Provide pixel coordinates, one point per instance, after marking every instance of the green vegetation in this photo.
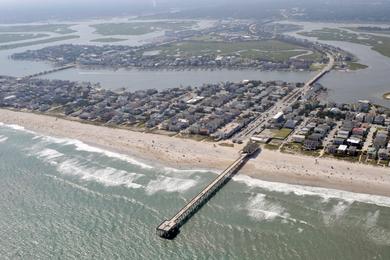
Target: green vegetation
(282, 133)
(207, 38)
(317, 66)
(356, 66)
(292, 148)
(383, 163)
(315, 153)
(271, 147)
(139, 28)
(352, 159)
(368, 29)
(108, 40)
(161, 132)
(332, 34)
(295, 148)
(315, 56)
(378, 43)
(54, 28)
(198, 138)
(272, 50)
(14, 37)
(382, 45)
(25, 44)
(226, 144)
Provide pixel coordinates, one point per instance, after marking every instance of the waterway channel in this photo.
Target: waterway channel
(370, 83)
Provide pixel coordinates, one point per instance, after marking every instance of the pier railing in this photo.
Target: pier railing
(170, 228)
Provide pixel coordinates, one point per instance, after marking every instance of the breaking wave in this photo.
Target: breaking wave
(105, 196)
(3, 138)
(169, 184)
(49, 154)
(262, 209)
(188, 171)
(336, 212)
(324, 193)
(380, 236)
(107, 176)
(375, 232)
(80, 146)
(16, 127)
(372, 219)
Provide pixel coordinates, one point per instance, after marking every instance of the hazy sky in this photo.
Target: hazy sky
(16, 4)
(56, 2)
(37, 10)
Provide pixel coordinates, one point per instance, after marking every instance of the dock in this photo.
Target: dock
(170, 228)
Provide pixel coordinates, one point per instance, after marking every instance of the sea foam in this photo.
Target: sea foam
(3, 138)
(336, 212)
(260, 208)
(80, 146)
(169, 184)
(375, 232)
(372, 219)
(16, 127)
(49, 154)
(107, 176)
(105, 196)
(188, 171)
(324, 193)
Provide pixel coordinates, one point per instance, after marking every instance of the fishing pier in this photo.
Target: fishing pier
(170, 228)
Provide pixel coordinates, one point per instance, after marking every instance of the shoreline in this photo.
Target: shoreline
(172, 68)
(180, 153)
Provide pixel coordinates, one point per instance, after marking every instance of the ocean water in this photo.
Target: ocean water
(62, 199)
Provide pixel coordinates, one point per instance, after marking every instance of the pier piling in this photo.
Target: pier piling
(169, 229)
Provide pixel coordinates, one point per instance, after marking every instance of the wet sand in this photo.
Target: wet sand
(189, 154)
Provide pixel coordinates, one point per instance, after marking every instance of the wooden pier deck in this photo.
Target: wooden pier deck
(170, 228)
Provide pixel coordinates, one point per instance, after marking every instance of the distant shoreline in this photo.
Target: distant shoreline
(189, 154)
(177, 68)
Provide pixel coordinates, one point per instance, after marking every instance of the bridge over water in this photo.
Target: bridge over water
(65, 67)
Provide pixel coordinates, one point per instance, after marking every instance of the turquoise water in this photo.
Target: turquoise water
(62, 199)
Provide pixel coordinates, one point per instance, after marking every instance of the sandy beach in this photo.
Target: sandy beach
(189, 154)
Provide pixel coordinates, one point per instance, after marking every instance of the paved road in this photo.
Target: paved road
(259, 123)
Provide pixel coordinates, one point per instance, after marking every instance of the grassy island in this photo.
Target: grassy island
(110, 39)
(380, 44)
(53, 28)
(356, 66)
(140, 28)
(14, 37)
(43, 41)
(273, 50)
